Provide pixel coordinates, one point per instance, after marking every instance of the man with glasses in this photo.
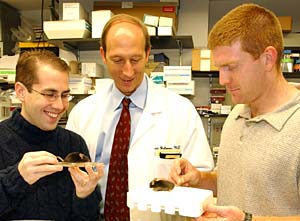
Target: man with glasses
(33, 185)
(52, 96)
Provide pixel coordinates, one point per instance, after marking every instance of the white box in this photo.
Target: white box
(74, 11)
(181, 74)
(151, 20)
(165, 21)
(187, 201)
(165, 31)
(151, 30)
(76, 88)
(182, 88)
(205, 64)
(79, 84)
(216, 108)
(225, 109)
(8, 75)
(99, 19)
(67, 29)
(92, 69)
(205, 53)
(9, 62)
(205, 60)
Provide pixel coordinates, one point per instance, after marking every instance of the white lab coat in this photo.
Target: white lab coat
(167, 120)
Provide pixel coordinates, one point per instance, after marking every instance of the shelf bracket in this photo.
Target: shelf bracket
(180, 48)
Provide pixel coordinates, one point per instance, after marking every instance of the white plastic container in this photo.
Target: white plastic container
(186, 201)
(67, 29)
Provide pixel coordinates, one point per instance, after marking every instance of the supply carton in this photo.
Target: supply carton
(165, 31)
(286, 23)
(151, 20)
(151, 30)
(79, 84)
(74, 11)
(67, 29)
(165, 21)
(138, 9)
(178, 74)
(184, 88)
(92, 69)
(99, 19)
(202, 60)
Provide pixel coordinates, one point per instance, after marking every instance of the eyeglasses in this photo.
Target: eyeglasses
(51, 96)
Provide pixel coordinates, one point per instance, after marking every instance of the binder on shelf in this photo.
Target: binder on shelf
(37, 44)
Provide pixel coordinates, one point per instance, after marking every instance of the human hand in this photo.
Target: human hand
(86, 182)
(218, 213)
(35, 165)
(183, 173)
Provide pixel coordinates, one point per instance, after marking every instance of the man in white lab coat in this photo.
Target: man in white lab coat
(159, 117)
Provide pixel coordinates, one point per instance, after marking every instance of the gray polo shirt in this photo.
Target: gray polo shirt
(259, 161)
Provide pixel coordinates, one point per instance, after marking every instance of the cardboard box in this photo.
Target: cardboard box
(92, 69)
(99, 19)
(202, 60)
(67, 29)
(216, 108)
(74, 11)
(286, 23)
(165, 21)
(187, 88)
(151, 20)
(165, 31)
(168, 9)
(7, 75)
(151, 30)
(166, 26)
(79, 84)
(225, 109)
(205, 64)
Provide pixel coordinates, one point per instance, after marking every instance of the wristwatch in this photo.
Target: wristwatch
(248, 216)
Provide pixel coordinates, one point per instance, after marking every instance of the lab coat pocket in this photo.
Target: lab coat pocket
(162, 167)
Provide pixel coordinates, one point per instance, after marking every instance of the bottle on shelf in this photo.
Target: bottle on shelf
(287, 61)
(297, 65)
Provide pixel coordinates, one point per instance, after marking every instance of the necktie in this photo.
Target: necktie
(117, 184)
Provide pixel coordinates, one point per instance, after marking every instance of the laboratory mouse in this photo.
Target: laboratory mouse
(159, 184)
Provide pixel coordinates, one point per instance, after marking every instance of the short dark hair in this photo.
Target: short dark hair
(29, 62)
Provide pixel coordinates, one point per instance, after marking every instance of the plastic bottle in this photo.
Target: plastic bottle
(287, 62)
(297, 65)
